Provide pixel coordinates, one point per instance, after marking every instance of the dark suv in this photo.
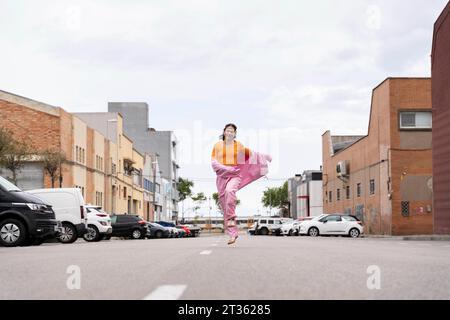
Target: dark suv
(24, 218)
(127, 225)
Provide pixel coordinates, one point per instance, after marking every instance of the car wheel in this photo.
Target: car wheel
(12, 233)
(354, 233)
(92, 234)
(313, 232)
(158, 234)
(291, 233)
(136, 234)
(264, 231)
(297, 233)
(69, 233)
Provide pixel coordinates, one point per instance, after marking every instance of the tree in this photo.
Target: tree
(277, 198)
(198, 200)
(15, 158)
(184, 190)
(53, 160)
(216, 200)
(6, 142)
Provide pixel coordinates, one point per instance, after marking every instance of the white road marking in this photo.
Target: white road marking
(167, 292)
(205, 252)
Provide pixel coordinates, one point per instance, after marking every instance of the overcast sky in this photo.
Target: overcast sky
(283, 71)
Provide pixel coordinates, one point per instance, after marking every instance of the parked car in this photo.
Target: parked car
(157, 231)
(333, 224)
(98, 224)
(24, 218)
(290, 228)
(127, 225)
(68, 204)
(187, 232)
(178, 232)
(194, 231)
(266, 226)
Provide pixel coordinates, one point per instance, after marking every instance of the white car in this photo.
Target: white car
(290, 228)
(174, 232)
(98, 224)
(332, 224)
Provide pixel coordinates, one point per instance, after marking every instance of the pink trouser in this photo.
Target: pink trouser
(234, 178)
(228, 204)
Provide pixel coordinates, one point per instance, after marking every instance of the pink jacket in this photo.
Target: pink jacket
(253, 169)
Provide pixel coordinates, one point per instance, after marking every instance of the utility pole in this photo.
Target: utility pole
(154, 185)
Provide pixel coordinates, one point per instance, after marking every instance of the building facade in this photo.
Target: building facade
(92, 156)
(309, 194)
(385, 177)
(292, 195)
(441, 122)
(151, 141)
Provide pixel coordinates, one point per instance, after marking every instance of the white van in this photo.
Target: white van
(68, 204)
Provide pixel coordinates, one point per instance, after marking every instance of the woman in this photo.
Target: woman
(236, 167)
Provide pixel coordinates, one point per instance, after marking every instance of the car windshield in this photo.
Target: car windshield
(320, 217)
(8, 186)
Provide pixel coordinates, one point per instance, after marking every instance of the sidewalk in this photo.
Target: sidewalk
(430, 237)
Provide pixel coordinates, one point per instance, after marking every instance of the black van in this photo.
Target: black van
(24, 218)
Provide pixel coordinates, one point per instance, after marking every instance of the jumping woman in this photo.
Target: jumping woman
(235, 167)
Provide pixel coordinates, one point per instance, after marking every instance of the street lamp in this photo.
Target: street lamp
(210, 223)
(117, 154)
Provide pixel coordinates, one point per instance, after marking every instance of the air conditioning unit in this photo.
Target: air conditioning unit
(342, 169)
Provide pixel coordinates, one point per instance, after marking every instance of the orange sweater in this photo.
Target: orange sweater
(230, 155)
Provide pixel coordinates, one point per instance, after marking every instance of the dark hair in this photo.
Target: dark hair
(225, 128)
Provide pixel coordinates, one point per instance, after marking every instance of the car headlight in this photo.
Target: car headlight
(36, 207)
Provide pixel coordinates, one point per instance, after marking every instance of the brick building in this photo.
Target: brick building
(441, 122)
(385, 177)
(108, 171)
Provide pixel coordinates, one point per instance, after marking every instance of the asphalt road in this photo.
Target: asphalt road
(205, 268)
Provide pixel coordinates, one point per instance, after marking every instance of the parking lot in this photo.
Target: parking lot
(256, 267)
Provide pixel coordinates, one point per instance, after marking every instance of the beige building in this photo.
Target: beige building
(123, 165)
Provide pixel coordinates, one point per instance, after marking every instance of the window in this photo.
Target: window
(349, 218)
(405, 208)
(263, 222)
(124, 192)
(77, 153)
(333, 219)
(338, 195)
(372, 187)
(347, 192)
(330, 196)
(415, 120)
(358, 190)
